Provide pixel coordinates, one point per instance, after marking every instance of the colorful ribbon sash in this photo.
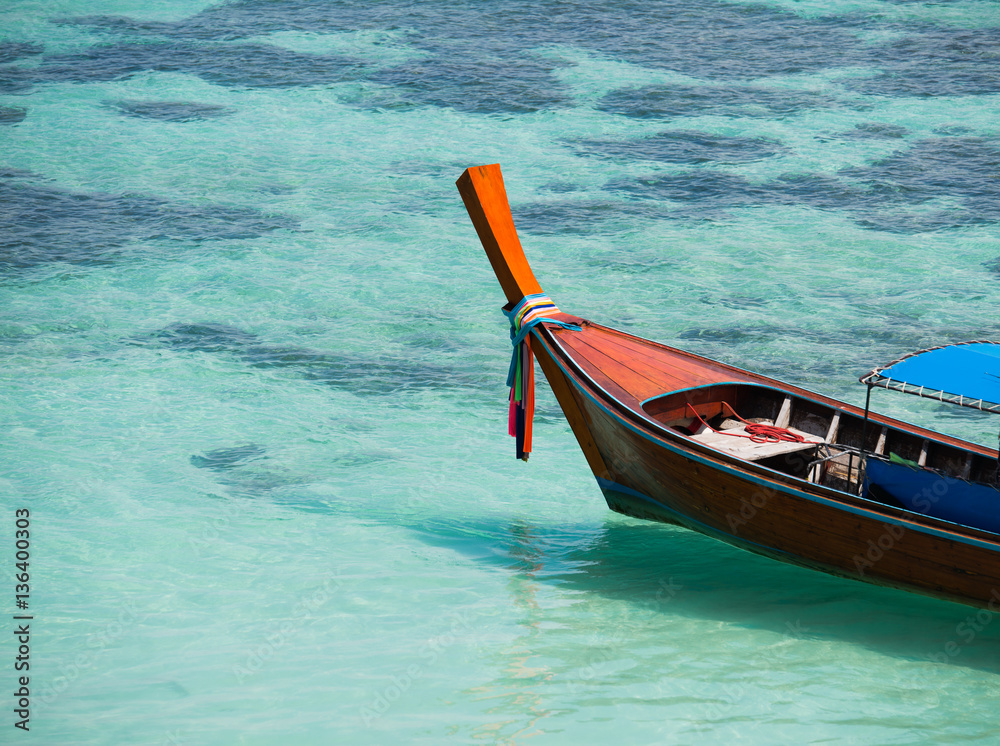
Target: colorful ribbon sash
(529, 312)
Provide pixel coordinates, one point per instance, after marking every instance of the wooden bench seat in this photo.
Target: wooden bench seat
(749, 450)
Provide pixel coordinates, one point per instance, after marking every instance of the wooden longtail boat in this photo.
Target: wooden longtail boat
(760, 464)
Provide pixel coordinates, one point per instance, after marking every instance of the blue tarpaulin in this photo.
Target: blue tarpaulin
(933, 494)
(967, 373)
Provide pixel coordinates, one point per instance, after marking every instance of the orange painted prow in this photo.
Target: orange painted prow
(485, 198)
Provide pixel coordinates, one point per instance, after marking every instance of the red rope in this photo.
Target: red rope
(756, 432)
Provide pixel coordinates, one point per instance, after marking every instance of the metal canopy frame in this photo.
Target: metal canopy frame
(876, 378)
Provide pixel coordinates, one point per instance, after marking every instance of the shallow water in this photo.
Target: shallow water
(253, 359)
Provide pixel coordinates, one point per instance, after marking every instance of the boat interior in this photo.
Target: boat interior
(816, 442)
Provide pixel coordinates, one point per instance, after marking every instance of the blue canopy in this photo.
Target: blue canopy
(966, 373)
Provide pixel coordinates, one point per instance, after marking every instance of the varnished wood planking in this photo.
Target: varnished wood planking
(634, 385)
(610, 359)
(666, 362)
(677, 358)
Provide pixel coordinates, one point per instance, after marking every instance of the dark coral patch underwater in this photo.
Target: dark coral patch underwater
(169, 111)
(10, 115)
(381, 376)
(685, 147)
(234, 65)
(223, 459)
(42, 223)
(666, 102)
(15, 50)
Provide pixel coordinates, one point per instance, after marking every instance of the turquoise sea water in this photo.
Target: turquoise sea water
(253, 360)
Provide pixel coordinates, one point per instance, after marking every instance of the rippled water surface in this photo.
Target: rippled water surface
(253, 361)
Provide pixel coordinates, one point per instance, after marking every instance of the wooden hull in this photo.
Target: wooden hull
(641, 411)
(647, 472)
